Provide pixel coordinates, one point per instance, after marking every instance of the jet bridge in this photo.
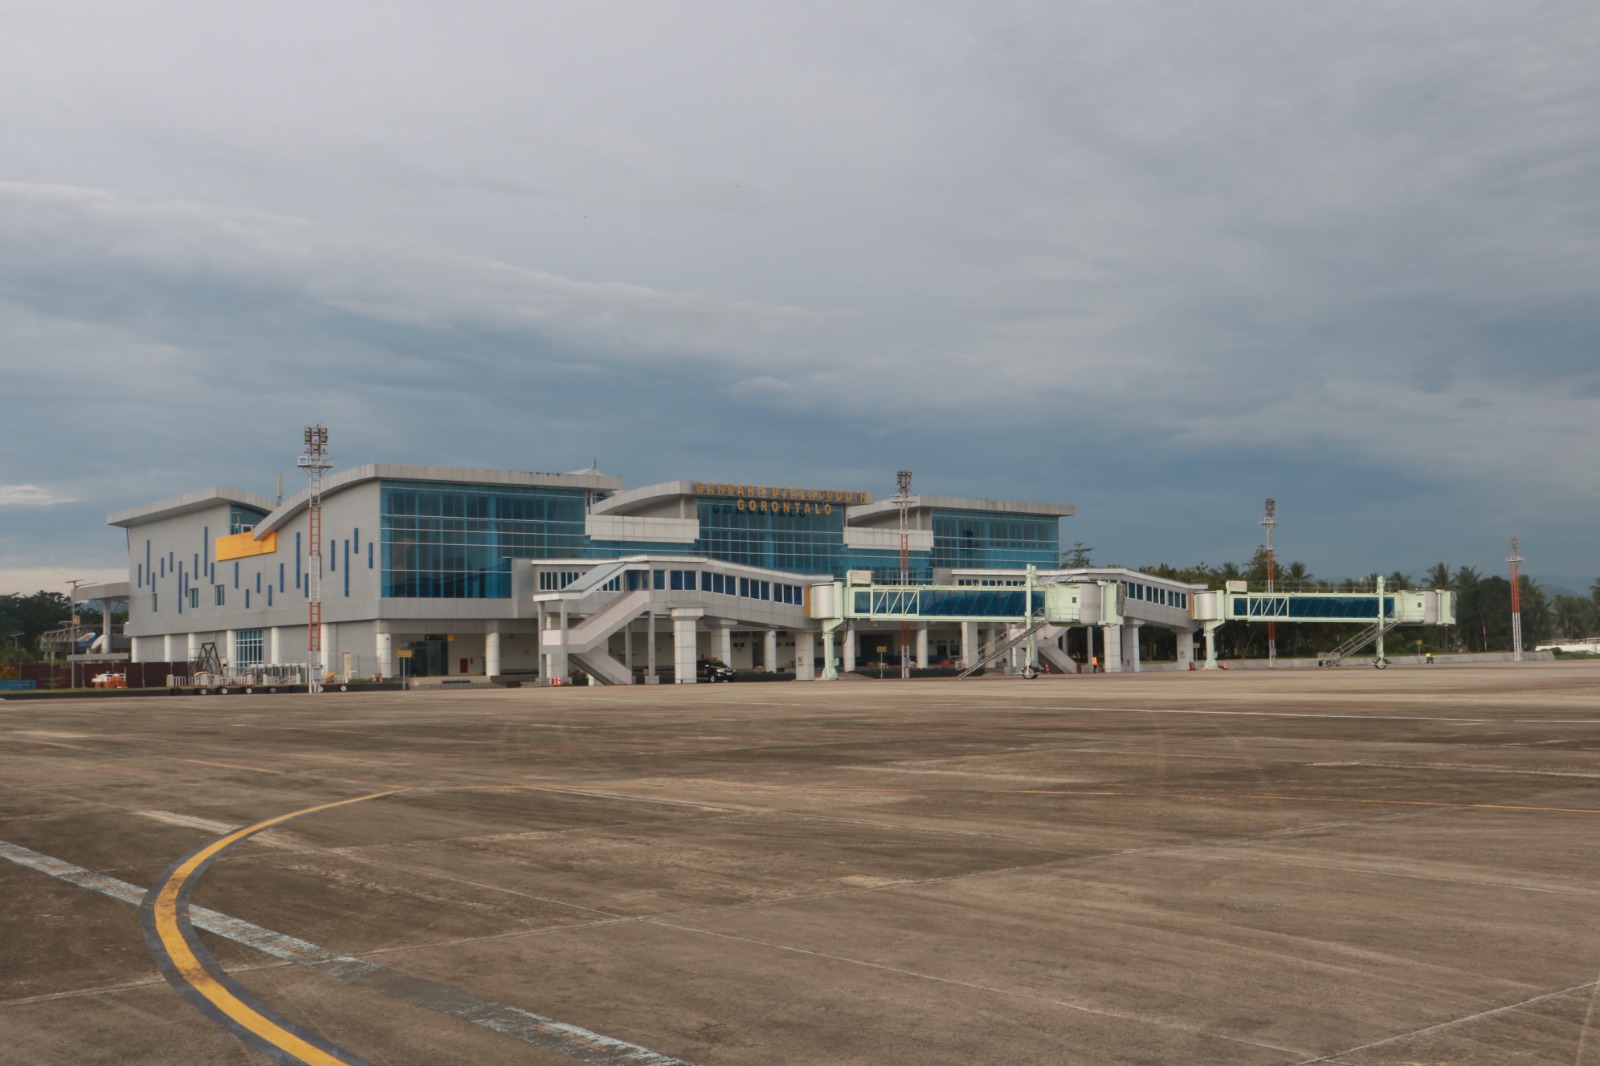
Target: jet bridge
(1378, 611)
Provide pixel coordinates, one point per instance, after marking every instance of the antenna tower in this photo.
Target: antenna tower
(903, 498)
(1516, 602)
(315, 462)
(1271, 523)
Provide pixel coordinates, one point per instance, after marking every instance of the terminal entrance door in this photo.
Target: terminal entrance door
(427, 658)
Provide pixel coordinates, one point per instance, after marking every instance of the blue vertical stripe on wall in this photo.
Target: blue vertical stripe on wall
(172, 560)
(269, 595)
(333, 558)
(369, 555)
(280, 577)
(139, 570)
(258, 581)
(163, 565)
(297, 560)
(356, 533)
(235, 575)
(347, 568)
(247, 599)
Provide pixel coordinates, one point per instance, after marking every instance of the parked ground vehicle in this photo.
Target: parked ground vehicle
(109, 680)
(712, 670)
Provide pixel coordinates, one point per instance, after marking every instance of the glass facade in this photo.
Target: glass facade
(979, 539)
(249, 648)
(243, 519)
(806, 538)
(457, 541)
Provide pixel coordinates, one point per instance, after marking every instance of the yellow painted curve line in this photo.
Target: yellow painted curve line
(189, 968)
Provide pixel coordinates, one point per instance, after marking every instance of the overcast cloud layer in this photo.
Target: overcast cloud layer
(1157, 260)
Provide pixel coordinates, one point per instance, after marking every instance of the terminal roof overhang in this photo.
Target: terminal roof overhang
(867, 511)
(650, 496)
(278, 514)
(188, 503)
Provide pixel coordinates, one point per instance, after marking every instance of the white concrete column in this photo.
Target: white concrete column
(194, 646)
(805, 654)
(684, 622)
(166, 646)
(1130, 644)
(1211, 644)
(384, 650)
(650, 648)
(1088, 648)
(849, 651)
(627, 646)
(1185, 648)
(922, 646)
(969, 644)
(133, 650)
(725, 642)
(829, 671)
(769, 650)
(491, 651)
(275, 645)
(1113, 643)
(330, 650)
(230, 649)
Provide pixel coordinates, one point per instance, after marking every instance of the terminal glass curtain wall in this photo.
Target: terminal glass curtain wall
(457, 542)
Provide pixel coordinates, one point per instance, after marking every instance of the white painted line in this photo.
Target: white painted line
(526, 1026)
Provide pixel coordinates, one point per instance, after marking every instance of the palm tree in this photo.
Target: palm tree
(1574, 615)
(1397, 580)
(1295, 575)
(1594, 595)
(1466, 577)
(1439, 576)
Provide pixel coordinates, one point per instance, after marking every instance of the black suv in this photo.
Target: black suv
(712, 670)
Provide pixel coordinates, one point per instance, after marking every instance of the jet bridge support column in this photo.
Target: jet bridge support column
(769, 651)
(969, 644)
(922, 646)
(1130, 644)
(849, 652)
(1211, 644)
(1113, 642)
(805, 667)
(684, 621)
(1185, 648)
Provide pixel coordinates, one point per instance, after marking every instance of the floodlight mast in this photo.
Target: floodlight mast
(315, 462)
(903, 498)
(1271, 522)
(1516, 601)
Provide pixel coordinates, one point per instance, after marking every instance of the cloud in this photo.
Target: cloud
(1050, 246)
(30, 496)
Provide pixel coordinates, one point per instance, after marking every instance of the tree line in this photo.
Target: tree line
(23, 619)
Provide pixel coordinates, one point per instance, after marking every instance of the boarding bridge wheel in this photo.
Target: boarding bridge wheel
(1380, 662)
(1030, 672)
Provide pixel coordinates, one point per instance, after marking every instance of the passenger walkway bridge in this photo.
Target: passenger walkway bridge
(594, 614)
(1377, 612)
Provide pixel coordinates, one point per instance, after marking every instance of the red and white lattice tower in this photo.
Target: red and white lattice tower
(315, 462)
(903, 498)
(1271, 522)
(1516, 601)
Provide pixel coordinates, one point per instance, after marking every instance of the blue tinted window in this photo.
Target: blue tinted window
(457, 541)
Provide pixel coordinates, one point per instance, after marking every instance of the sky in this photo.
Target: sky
(1159, 260)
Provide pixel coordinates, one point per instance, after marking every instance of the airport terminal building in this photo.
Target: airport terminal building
(453, 572)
